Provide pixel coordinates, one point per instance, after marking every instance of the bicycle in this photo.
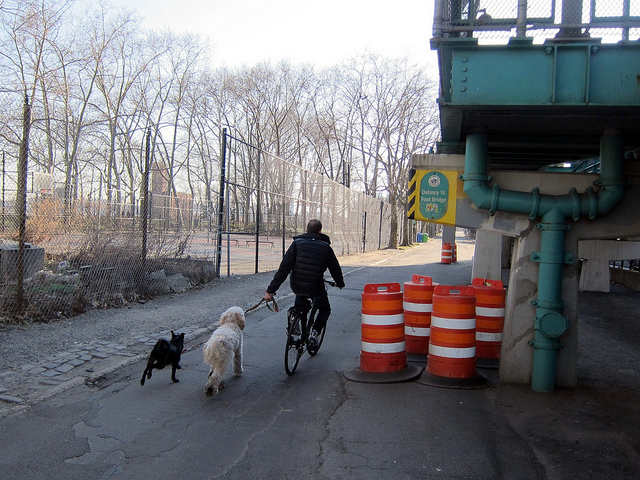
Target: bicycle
(298, 328)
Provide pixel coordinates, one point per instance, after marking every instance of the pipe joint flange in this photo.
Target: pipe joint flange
(495, 198)
(611, 182)
(575, 203)
(553, 227)
(546, 344)
(549, 304)
(552, 325)
(535, 203)
(475, 177)
(593, 203)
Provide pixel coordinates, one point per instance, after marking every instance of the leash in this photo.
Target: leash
(275, 304)
(273, 309)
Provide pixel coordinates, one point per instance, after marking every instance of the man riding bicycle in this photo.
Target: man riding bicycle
(307, 259)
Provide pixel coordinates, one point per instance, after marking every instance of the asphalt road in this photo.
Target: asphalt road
(317, 424)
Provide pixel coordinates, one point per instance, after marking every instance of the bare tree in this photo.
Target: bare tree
(30, 27)
(397, 118)
(174, 76)
(120, 68)
(98, 82)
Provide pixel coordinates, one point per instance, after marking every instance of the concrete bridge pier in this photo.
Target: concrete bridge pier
(488, 257)
(449, 235)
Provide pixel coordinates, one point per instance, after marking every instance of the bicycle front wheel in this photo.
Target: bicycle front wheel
(293, 349)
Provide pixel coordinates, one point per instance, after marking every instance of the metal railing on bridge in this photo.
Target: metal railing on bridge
(494, 20)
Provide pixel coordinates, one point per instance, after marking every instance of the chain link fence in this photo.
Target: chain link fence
(268, 200)
(106, 247)
(498, 20)
(91, 252)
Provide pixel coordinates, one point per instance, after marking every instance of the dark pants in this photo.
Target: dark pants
(324, 309)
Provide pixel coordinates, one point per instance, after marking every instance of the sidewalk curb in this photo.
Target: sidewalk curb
(93, 378)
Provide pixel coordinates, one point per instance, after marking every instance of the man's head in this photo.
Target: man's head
(314, 226)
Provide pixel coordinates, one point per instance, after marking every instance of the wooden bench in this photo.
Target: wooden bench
(231, 240)
(262, 242)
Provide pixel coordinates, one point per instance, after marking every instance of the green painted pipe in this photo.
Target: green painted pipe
(550, 324)
(572, 205)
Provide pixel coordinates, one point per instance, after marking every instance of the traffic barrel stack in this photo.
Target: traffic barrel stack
(490, 310)
(452, 347)
(383, 342)
(447, 253)
(383, 356)
(417, 304)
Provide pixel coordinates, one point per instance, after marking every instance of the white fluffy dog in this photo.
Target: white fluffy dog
(224, 345)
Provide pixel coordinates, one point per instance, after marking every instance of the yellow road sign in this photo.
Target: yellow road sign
(432, 195)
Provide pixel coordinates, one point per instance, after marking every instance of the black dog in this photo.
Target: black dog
(165, 353)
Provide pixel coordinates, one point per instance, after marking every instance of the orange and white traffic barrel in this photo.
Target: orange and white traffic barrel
(490, 310)
(455, 253)
(383, 356)
(383, 346)
(452, 346)
(417, 305)
(447, 253)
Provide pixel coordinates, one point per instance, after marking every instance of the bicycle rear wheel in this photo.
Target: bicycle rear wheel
(293, 348)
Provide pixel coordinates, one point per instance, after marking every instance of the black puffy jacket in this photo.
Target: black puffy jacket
(307, 259)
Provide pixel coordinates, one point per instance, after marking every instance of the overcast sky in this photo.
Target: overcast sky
(323, 33)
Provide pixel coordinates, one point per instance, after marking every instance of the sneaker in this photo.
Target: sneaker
(312, 343)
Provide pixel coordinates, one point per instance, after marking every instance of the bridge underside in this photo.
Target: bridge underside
(539, 104)
(534, 137)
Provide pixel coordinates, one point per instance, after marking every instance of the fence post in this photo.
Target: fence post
(258, 214)
(145, 196)
(304, 200)
(364, 233)
(380, 229)
(22, 201)
(228, 209)
(321, 196)
(223, 163)
(3, 190)
(284, 208)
